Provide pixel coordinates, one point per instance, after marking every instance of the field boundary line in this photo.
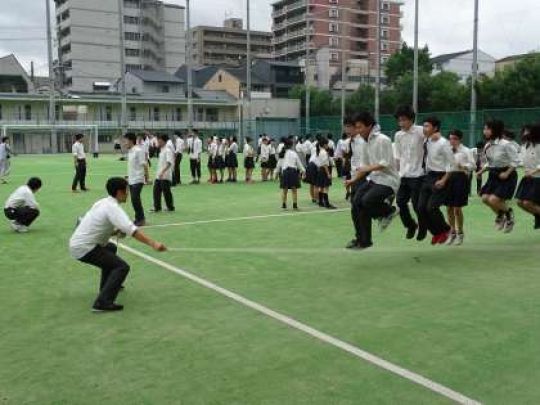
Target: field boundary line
(324, 337)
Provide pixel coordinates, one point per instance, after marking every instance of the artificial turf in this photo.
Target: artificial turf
(466, 317)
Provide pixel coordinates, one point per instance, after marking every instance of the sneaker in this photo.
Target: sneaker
(421, 235)
(330, 207)
(295, 206)
(443, 238)
(385, 222)
(451, 238)
(140, 223)
(411, 232)
(500, 221)
(459, 239)
(509, 222)
(314, 201)
(435, 239)
(154, 211)
(354, 245)
(18, 227)
(107, 308)
(284, 206)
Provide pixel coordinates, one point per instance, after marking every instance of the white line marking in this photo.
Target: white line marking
(371, 358)
(260, 250)
(210, 221)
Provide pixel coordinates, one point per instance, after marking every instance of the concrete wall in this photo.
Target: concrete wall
(462, 65)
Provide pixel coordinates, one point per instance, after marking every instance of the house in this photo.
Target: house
(280, 76)
(460, 63)
(153, 82)
(13, 77)
(511, 61)
(234, 82)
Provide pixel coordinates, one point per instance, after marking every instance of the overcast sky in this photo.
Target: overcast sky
(506, 27)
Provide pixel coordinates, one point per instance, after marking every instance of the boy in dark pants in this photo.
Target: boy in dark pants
(164, 175)
(137, 175)
(21, 207)
(79, 158)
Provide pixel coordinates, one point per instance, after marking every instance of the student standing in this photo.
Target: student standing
(458, 187)
(5, 152)
(373, 198)
(21, 208)
(179, 147)
(90, 243)
(439, 164)
(528, 193)
(324, 175)
(137, 176)
(223, 150)
(163, 181)
(79, 159)
(338, 155)
(232, 160)
(291, 169)
(249, 159)
(272, 160)
(502, 161)
(265, 158)
(409, 152)
(194, 145)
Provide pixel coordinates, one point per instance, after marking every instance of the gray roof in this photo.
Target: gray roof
(518, 57)
(201, 74)
(449, 56)
(155, 76)
(213, 95)
(241, 74)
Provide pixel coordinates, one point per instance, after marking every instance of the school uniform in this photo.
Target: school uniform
(373, 198)
(194, 145)
(272, 160)
(220, 157)
(90, 244)
(409, 151)
(312, 170)
(162, 186)
(179, 153)
(308, 147)
(338, 157)
(500, 155)
(80, 166)
(265, 156)
(232, 159)
(291, 168)
(249, 158)
(439, 160)
(4, 160)
(459, 182)
(136, 179)
(22, 207)
(213, 152)
(357, 147)
(301, 153)
(323, 161)
(529, 187)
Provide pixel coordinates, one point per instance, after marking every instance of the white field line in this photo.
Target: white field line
(254, 217)
(355, 351)
(270, 250)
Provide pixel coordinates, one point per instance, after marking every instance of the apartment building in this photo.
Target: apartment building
(89, 41)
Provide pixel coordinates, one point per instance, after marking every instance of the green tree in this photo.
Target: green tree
(402, 62)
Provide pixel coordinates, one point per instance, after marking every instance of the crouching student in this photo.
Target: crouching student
(90, 243)
(21, 207)
(528, 193)
(291, 169)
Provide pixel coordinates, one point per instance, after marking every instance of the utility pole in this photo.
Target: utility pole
(416, 57)
(189, 66)
(343, 71)
(307, 71)
(247, 96)
(52, 101)
(378, 55)
(474, 76)
(123, 114)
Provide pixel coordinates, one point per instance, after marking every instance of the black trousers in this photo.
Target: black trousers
(409, 190)
(80, 175)
(163, 187)
(176, 172)
(135, 190)
(195, 166)
(113, 272)
(339, 166)
(369, 201)
(22, 215)
(430, 201)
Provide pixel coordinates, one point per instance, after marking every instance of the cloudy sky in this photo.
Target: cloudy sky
(445, 25)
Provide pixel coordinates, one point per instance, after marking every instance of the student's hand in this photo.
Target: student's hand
(479, 174)
(528, 173)
(348, 183)
(504, 176)
(329, 176)
(159, 247)
(440, 184)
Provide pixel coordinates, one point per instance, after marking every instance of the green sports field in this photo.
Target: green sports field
(465, 317)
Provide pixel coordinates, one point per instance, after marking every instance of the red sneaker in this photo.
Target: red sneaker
(435, 239)
(443, 237)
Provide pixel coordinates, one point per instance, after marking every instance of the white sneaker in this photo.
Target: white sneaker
(459, 239)
(500, 222)
(385, 222)
(451, 239)
(509, 222)
(18, 227)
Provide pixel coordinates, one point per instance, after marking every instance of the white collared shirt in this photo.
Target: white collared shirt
(531, 158)
(233, 147)
(166, 155)
(409, 151)
(98, 225)
(136, 165)
(359, 156)
(323, 159)
(22, 197)
(464, 159)
(179, 145)
(265, 152)
(380, 152)
(501, 153)
(340, 149)
(248, 150)
(78, 150)
(290, 160)
(196, 148)
(307, 147)
(439, 155)
(3, 151)
(213, 149)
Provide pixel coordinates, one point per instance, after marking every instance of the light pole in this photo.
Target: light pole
(52, 101)
(378, 65)
(189, 66)
(416, 56)
(474, 76)
(248, 68)
(123, 114)
(307, 71)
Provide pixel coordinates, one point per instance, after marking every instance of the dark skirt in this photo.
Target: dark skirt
(504, 189)
(322, 179)
(265, 165)
(458, 190)
(231, 161)
(311, 174)
(219, 163)
(272, 162)
(210, 164)
(529, 190)
(290, 179)
(249, 163)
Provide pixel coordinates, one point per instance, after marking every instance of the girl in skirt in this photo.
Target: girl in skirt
(249, 160)
(291, 169)
(324, 176)
(232, 160)
(265, 158)
(212, 159)
(458, 187)
(502, 161)
(272, 160)
(223, 148)
(311, 177)
(528, 194)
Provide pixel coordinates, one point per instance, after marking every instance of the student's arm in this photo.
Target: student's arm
(170, 162)
(514, 158)
(450, 167)
(141, 237)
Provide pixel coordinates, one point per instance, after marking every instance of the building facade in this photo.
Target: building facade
(227, 45)
(461, 63)
(342, 29)
(89, 41)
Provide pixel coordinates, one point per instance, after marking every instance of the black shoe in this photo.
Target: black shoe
(355, 245)
(422, 234)
(330, 207)
(347, 196)
(295, 206)
(537, 222)
(411, 232)
(284, 206)
(107, 308)
(314, 201)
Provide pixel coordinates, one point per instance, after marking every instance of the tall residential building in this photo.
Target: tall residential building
(336, 27)
(227, 45)
(89, 40)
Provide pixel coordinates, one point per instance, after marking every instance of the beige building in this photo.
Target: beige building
(511, 61)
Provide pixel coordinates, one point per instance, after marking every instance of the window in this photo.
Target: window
(386, 6)
(199, 114)
(334, 42)
(334, 57)
(108, 113)
(333, 13)
(156, 114)
(132, 36)
(385, 20)
(132, 3)
(212, 114)
(333, 27)
(333, 1)
(132, 114)
(384, 59)
(131, 20)
(384, 34)
(132, 52)
(27, 112)
(165, 89)
(384, 46)
(178, 114)
(130, 67)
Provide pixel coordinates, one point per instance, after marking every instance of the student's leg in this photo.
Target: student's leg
(458, 214)
(295, 196)
(157, 195)
(77, 177)
(26, 215)
(83, 175)
(375, 201)
(402, 201)
(436, 217)
(176, 171)
(451, 211)
(284, 193)
(135, 191)
(169, 201)
(422, 207)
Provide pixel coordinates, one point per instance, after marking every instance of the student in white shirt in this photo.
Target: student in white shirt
(163, 181)
(348, 140)
(458, 187)
(439, 165)
(179, 146)
(528, 193)
(249, 159)
(231, 161)
(79, 160)
(223, 150)
(90, 243)
(272, 160)
(5, 157)
(137, 175)
(194, 144)
(324, 175)
(291, 169)
(21, 208)
(264, 156)
(502, 162)
(373, 198)
(409, 152)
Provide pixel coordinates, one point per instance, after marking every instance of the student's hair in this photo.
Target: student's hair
(300, 139)
(196, 132)
(344, 136)
(365, 118)
(286, 146)
(405, 111)
(434, 121)
(34, 183)
(524, 133)
(480, 145)
(163, 137)
(248, 139)
(321, 142)
(130, 136)
(534, 135)
(457, 133)
(496, 127)
(78, 137)
(233, 139)
(348, 120)
(331, 136)
(509, 134)
(116, 184)
(5, 139)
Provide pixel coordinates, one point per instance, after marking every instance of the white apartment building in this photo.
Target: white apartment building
(89, 40)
